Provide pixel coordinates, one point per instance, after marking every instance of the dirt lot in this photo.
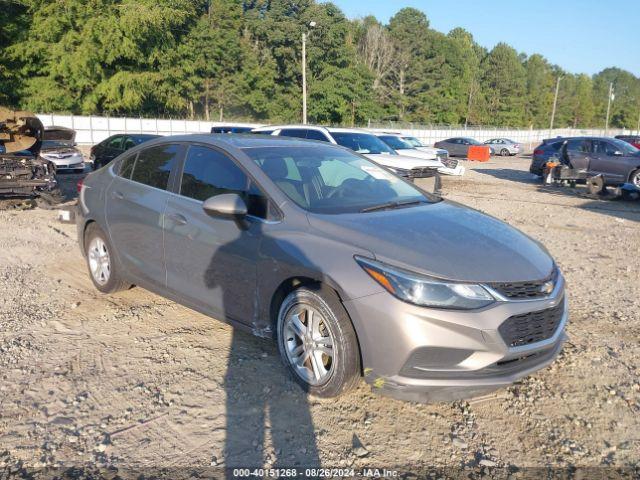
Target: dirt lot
(136, 381)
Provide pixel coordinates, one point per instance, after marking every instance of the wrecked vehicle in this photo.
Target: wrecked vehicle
(59, 148)
(22, 171)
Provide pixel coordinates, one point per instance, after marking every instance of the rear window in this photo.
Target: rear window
(153, 166)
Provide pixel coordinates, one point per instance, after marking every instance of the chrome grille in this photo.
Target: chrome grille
(525, 290)
(531, 327)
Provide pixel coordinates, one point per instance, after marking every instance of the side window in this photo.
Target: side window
(115, 142)
(154, 165)
(128, 143)
(574, 146)
(126, 166)
(316, 135)
(585, 146)
(208, 172)
(293, 132)
(604, 148)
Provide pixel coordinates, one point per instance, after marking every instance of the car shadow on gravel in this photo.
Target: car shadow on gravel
(628, 210)
(268, 420)
(511, 174)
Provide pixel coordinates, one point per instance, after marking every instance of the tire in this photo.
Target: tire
(319, 374)
(504, 152)
(106, 279)
(634, 178)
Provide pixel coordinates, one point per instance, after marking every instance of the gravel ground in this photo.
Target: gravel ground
(135, 381)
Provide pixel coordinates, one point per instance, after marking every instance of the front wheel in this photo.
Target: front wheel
(317, 341)
(634, 178)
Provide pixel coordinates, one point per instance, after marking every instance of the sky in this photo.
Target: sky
(581, 36)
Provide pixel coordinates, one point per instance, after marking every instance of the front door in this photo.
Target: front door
(135, 203)
(211, 261)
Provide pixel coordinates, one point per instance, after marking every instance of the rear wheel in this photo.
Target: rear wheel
(504, 152)
(103, 268)
(634, 178)
(317, 341)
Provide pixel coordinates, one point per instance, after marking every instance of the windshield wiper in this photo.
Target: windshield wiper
(390, 205)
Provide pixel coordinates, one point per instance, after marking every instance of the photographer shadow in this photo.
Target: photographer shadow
(268, 421)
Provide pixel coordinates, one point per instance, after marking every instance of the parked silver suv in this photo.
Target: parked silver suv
(353, 270)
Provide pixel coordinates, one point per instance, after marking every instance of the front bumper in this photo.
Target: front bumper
(429, 355)
(457, 171)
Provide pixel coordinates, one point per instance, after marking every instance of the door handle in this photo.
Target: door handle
(177, 218)
(117, 195)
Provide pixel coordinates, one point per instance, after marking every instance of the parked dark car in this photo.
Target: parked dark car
(632, 139)
(350, 268)
(231, 129)
(617, 160)
(459, 146)
(108, 149)
(544, 152)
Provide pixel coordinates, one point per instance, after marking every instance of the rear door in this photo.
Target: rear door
(577, 153)
(211, 261)
(135, 204)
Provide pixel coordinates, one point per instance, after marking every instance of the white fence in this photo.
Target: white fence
(93, 129)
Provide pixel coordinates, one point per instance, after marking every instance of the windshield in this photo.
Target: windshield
(362, 143)
(325, 179)
(413, 141)
(624, 147)
(396, 142)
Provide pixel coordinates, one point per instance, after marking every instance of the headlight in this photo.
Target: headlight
(426, 291)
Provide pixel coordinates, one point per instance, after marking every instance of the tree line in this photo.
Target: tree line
(241, 59)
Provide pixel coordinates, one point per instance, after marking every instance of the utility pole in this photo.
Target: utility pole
(638, 129)
(555, 103)
(304, 78)
(304, 73)
(606, 124)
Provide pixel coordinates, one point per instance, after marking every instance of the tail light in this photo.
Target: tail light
(538, 152)
(79, 185)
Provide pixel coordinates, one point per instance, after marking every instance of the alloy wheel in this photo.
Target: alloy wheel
(99, 261)
(309, 344)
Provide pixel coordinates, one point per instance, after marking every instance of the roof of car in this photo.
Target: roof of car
(237, 140)
(271, 128)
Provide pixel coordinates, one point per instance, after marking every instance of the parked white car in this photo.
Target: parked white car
(361, 142)
(59, 148)
(503, 146)
(404, 147)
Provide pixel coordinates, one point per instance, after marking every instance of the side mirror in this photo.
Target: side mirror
(225, 205)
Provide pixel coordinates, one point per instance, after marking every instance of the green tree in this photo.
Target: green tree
(504, 87)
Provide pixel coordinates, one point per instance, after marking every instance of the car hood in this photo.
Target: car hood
(413, 152)
(403, 161)
(444, 239)
(432, 150)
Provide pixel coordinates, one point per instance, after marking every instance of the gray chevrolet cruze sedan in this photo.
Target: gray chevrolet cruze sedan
(352, 270)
